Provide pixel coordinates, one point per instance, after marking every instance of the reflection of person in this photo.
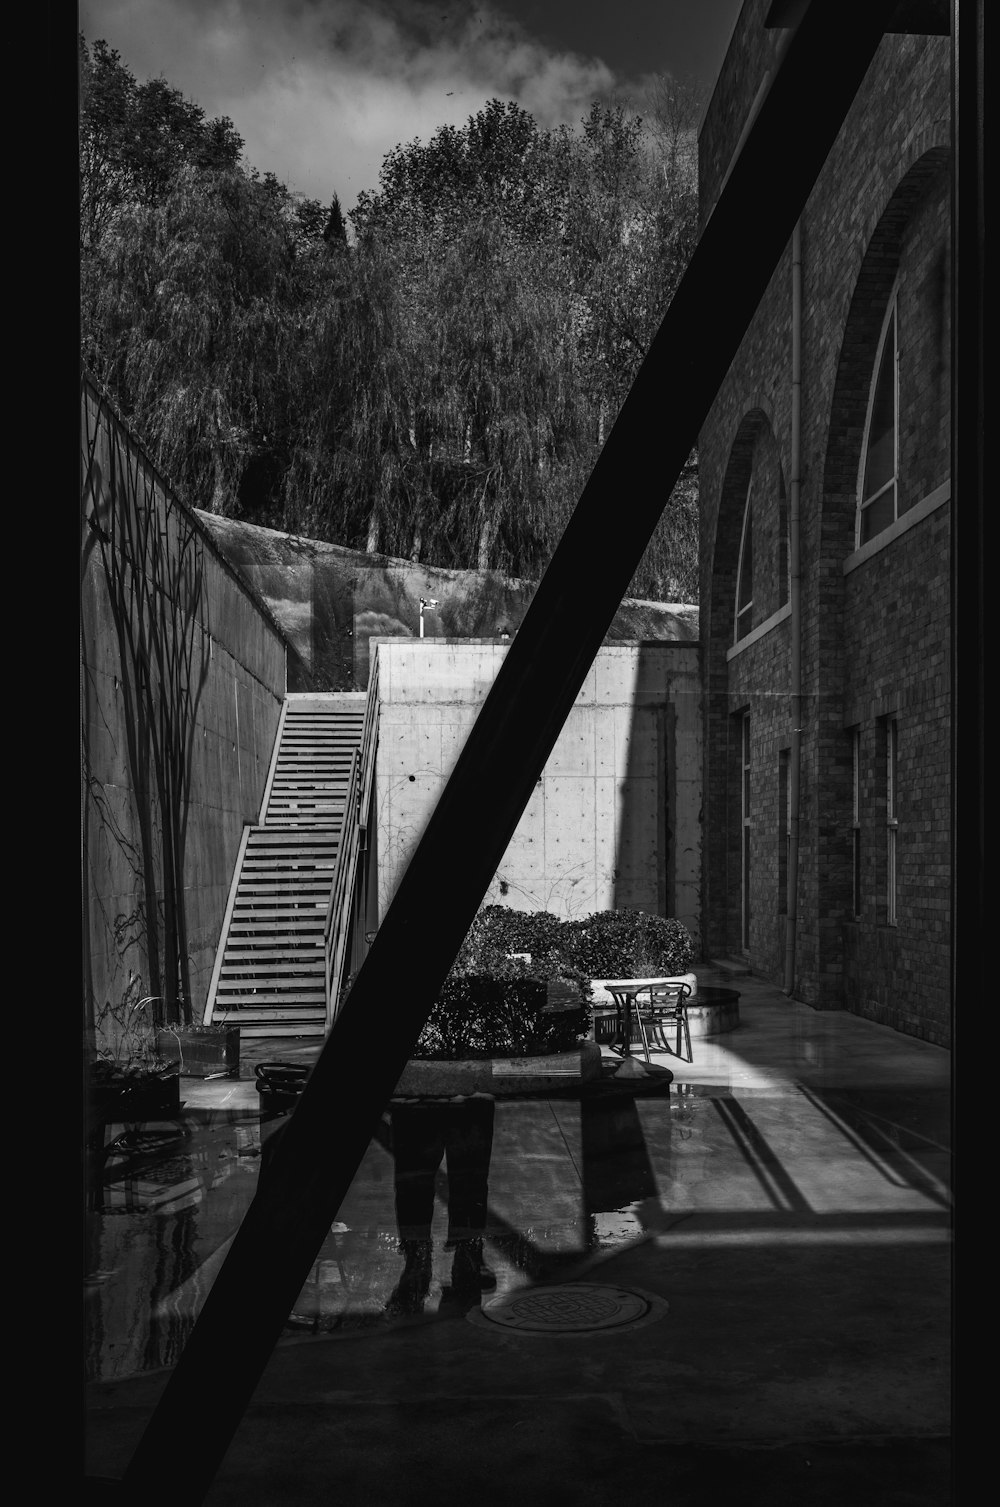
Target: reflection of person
(422, 1135)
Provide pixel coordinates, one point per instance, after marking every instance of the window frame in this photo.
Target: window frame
(744, 615)
(891, 818)
(784, 544)
(856, 823)
(890, 321)
(784, 826)
(746, 827)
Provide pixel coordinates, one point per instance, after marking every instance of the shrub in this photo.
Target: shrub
(479, 1015)
(497, 932)
(628, 944)
(496, 1004)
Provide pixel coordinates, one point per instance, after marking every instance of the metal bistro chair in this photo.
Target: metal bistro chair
(667, 1011)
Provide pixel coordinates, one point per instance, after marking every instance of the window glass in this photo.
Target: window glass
(744, 585)
(784, 584)
(878, 491)
(880, 464)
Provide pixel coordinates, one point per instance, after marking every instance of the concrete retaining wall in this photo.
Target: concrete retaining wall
(614, 821)
(182, 677)
(330, 601)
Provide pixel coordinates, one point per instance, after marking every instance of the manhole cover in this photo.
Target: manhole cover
(574, 1308)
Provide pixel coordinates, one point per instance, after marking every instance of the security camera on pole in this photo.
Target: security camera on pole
(425, 602)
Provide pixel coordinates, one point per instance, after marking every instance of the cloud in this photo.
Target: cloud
(320, 90)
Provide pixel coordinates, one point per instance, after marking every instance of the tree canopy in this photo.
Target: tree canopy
(440, 388)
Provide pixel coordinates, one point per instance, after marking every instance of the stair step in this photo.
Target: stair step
(274, 840)
(268, 1031)
(235, 958)
(289, 1024)
(250, 1014)
(279, 969)
(292, 922)
(294, 1000)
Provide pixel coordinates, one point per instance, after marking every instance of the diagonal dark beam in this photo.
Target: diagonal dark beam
(544, 669)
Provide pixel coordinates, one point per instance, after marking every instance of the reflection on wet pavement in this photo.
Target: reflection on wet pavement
(169, 1200)
(472, 1197)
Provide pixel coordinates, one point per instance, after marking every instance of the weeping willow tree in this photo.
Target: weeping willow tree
(535, 268)
(493, 401)
(193, 313)
(439, 390)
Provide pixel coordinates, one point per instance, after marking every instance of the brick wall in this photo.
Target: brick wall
(874, 637)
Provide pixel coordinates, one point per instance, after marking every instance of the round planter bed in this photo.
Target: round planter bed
(602, 997)
(500, 1075)
(712, 1011)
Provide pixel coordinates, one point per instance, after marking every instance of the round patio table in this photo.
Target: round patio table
(624, 992)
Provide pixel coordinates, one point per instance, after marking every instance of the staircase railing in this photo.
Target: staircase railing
(272, 768)
(234, 886)
(338, 915)
(369, 740)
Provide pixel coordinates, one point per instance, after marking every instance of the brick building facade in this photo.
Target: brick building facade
(862, 503)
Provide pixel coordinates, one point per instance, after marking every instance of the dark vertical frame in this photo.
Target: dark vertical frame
(968, 924)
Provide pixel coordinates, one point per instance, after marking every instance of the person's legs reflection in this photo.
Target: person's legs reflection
(417, 1146)
(422, 1134)
(469, 1144)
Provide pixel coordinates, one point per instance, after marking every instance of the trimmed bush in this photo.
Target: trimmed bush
(628, 944)
(497, 932)
(479, 1015)
(497, 1004)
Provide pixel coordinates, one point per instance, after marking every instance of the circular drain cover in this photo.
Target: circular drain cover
(573, 1308)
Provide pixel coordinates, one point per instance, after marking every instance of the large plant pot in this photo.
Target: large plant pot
(279, 1085)
(201, 1051)
(500, 1075)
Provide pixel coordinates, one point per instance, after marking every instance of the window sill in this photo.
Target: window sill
(914, 515)
(760, 631)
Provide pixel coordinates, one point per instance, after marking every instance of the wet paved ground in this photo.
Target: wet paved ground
(783, 1205)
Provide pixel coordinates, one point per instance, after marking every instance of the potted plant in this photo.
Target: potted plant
(129, 1080)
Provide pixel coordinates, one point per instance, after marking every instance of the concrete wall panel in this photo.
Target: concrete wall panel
(614, 820)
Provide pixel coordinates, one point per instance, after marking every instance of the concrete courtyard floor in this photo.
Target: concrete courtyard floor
(782, 1210)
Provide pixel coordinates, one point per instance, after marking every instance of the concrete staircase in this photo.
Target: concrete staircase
(270, 971)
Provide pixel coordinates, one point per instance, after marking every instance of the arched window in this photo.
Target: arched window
(784, 552)
(744, 573)
(877, 479)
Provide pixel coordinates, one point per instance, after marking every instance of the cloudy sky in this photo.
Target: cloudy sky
(320, 90)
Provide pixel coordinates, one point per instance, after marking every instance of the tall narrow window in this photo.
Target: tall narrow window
(744, 574)
(784, 829)
(745, 832)
(856, 823)
(877, 483)
(891, 817)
